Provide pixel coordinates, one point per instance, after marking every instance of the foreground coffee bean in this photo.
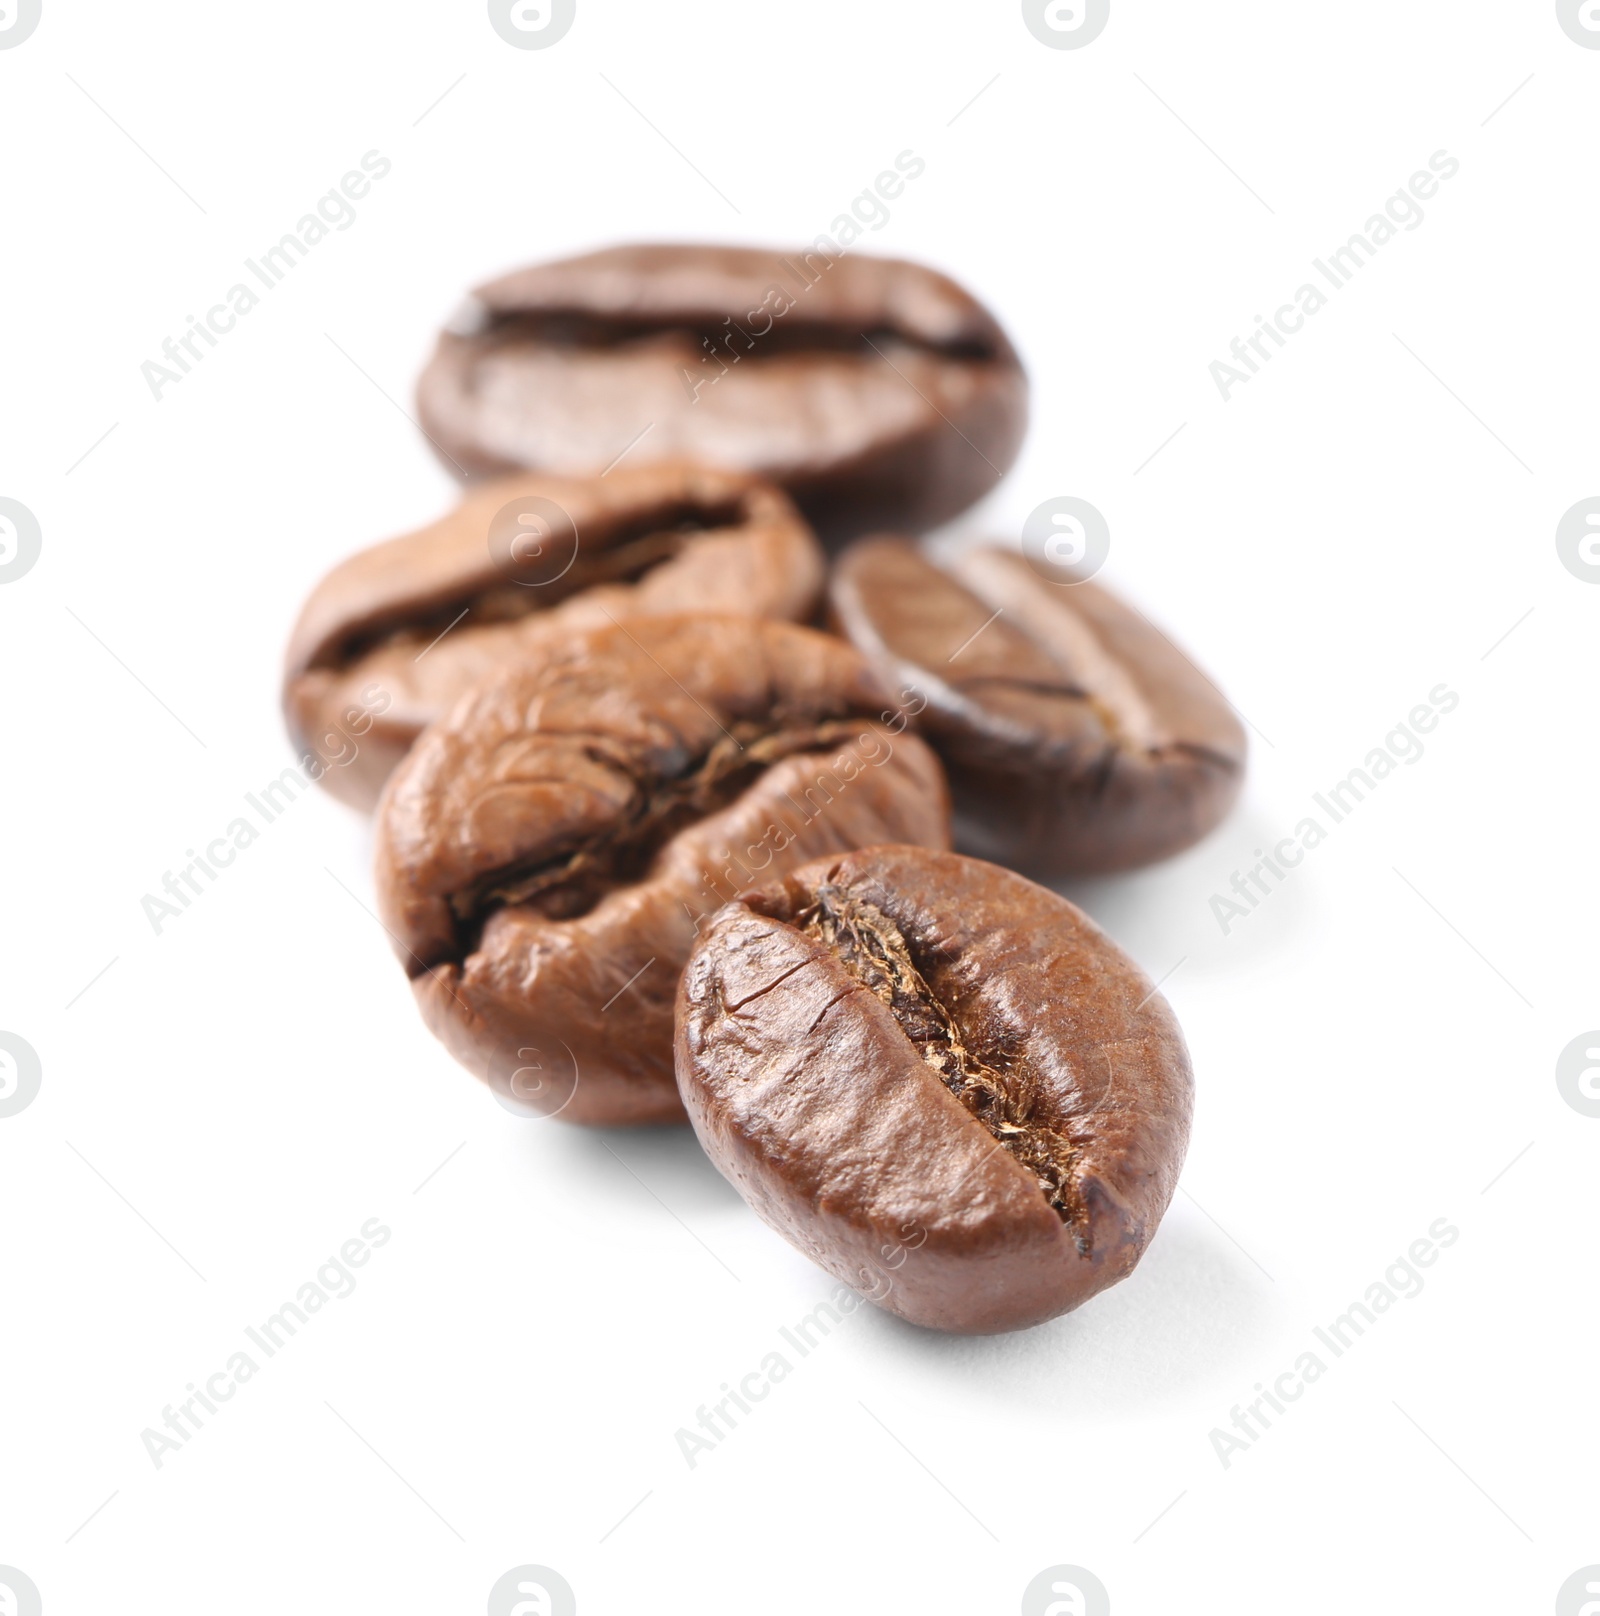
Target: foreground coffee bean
(1078, 738)
(547, 851)
(878, 392)
(391, 637)
(938, 1080)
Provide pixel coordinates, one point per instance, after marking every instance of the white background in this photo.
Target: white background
(1372, 516)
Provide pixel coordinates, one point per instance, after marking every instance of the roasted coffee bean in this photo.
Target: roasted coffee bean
(547, 851)
(938, 1080)
(392, 636)
(1078, 738)
(878, 392)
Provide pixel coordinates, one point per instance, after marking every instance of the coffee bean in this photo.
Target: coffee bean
(1078, 738)
(547, 852)
(939, 1080)
(391, 637)
(878, 392)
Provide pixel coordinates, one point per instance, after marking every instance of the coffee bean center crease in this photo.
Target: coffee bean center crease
(996, 1089)
(573, 882)
(626, 556)
(718, 335)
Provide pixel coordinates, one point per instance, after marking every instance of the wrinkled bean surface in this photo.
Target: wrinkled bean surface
(939, 1080)
(547, 852)
(391, 637)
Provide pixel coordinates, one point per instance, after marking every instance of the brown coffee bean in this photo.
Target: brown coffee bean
(391, 637)
(1078, 738)
(547, 851)
(878, 392)
(939, 1080)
